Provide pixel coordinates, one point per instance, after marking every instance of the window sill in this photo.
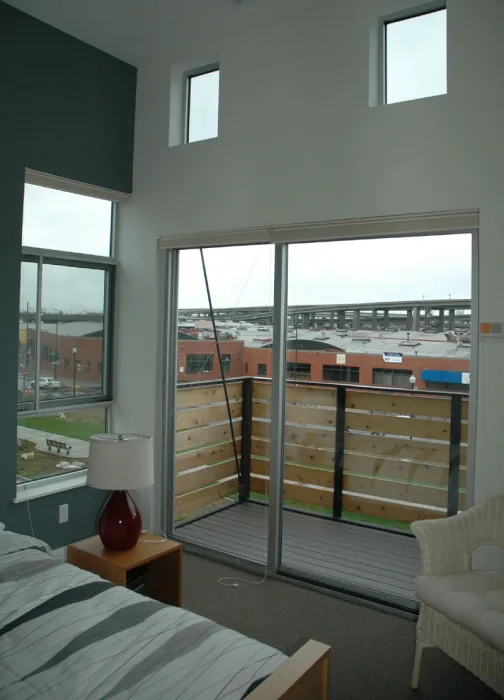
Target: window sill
(53, 484)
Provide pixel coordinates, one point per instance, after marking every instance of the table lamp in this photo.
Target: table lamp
(118, 463)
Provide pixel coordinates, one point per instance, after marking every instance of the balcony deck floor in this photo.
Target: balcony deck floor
(373, 562)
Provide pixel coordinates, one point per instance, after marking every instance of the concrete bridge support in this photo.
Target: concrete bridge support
(416, 317)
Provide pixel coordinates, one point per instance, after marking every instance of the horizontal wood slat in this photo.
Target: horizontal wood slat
(294, 472)
(415, 450)
(351, 503)
(396, 491)
(374, 445)
(202, 396)
(399, 403)
(389, 511)
(390, 425)
(370, 486)
(205, 455)
(323, 417)
(296, 435)
(202, 477)
(302, 495)
(195, 501)
(433, 406)
(201, 437)
(206, 415)
(309, 456)
(372, 465)
(310, 396)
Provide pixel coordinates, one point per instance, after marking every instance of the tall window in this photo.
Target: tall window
(226, 363)
(202, 118)
(416, 57)
(66, 291)
(262, 370)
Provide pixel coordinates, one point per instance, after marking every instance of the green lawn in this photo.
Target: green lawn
(68, 427)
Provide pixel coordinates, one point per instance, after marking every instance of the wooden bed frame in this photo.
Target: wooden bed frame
(304, 676)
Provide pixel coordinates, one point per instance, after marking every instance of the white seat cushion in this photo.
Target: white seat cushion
(474, 600)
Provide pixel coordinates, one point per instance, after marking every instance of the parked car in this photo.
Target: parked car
(47, 383)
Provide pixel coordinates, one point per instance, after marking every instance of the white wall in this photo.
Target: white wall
(299, 142)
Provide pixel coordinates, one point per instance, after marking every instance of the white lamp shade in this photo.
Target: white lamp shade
(120, 462)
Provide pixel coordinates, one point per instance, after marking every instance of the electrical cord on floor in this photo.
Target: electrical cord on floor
(162, 537)
(30, 519)
(235, 579)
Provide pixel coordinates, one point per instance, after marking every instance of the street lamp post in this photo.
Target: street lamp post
(74, 353)
(56, 355)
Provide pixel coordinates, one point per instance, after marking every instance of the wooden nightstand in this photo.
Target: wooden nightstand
(161, 562)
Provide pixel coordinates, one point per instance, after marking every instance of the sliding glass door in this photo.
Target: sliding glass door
(222, 422)
(377, 378)
(322, 404)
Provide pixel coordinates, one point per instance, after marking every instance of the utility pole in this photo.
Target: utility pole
(296, 360)
(27, 356)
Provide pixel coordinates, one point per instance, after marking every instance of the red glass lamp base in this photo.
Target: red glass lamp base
(120, 523)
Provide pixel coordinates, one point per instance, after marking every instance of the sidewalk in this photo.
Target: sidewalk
(80, 448)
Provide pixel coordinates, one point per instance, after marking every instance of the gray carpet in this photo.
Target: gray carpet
(372, 652)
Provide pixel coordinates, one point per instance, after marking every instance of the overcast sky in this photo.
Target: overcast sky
(416, 57)
(349, 271)
(388, 269)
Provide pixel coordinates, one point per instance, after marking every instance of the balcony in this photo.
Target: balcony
(360, 464)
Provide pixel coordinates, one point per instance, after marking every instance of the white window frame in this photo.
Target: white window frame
(427, 8)
(45, 486)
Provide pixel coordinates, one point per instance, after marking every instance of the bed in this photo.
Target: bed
(66, 634)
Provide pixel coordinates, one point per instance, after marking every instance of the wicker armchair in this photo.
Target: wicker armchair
(462, 610)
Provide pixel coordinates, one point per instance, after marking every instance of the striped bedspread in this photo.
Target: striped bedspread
(66, 634)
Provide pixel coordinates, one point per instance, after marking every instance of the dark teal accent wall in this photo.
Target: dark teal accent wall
(66, 109)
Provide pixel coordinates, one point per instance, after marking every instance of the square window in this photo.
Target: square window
(392, 377)
(416, 57)
(199, 364)
(202, 118)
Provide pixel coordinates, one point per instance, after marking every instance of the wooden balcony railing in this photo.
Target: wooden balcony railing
(350, 451)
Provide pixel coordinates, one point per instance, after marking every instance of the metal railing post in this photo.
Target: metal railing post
(339, 453)
(246, 446)
(454, 464)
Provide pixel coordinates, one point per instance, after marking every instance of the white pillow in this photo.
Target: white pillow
(2, 526)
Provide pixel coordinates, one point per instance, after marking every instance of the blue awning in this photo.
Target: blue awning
(441, 376)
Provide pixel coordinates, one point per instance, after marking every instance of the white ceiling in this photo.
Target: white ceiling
(136, 30)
